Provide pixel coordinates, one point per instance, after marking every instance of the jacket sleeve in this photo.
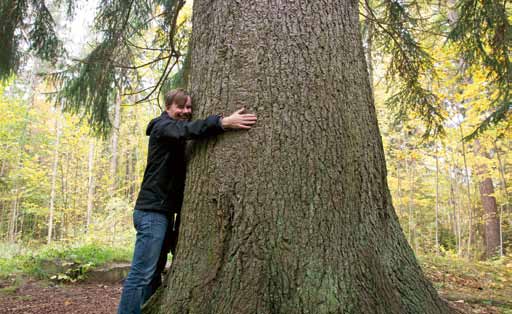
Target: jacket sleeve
(186, 130)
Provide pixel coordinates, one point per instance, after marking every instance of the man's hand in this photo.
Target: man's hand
(239, 120)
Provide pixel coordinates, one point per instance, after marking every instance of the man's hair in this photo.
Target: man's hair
(178, 96)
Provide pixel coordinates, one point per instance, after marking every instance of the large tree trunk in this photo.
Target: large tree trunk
(294, 216)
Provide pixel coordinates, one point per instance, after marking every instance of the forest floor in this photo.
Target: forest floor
(30, 297)
(470, 287)
(473, 287)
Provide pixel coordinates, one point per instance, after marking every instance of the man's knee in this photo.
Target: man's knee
(140, 277)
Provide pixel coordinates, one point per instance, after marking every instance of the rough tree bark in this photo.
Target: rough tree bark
(294, 216)
(492, 221)
(491, 217)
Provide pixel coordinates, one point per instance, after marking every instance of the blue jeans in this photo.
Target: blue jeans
(149, 258)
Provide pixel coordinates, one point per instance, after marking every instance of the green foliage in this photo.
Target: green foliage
(410, 66)
(115, 63)
(89, 87)
(11, 15)
(447, 240)
(68, 263)
(406, 32)
(96, 254)
(28, 147)
(41, 38)
(483, 34)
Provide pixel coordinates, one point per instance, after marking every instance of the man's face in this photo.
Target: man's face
(181, 111)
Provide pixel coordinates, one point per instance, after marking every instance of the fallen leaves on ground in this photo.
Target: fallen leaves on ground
(43, 297)
(472, 287)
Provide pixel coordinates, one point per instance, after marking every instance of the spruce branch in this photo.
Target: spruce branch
(483, 34)
(410, 65)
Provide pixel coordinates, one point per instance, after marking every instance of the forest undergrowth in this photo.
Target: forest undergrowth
(471, 286)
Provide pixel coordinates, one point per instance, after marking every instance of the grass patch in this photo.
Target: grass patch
(64, 262)
(8, 290)
(97, 255)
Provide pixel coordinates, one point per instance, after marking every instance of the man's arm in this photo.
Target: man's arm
(210, 126)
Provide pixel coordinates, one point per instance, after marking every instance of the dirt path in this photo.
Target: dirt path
(85, 298)
(40, 297)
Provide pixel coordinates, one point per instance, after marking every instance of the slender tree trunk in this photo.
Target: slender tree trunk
(455, 226)
(503, 180)
(19, 233)
(411, 203)
(14, 217)
(135, 162)
(90, 185)
(454, 206)
(127, 172)
(3, 212)
(134, 178)
(437, 198)
(54, 173)
(115, 143)
(294, 215)
(399, 184)
(114, 226)
(503, 207)
(468, 188)
(457, 204)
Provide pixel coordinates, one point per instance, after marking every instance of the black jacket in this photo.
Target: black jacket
(164, 177)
